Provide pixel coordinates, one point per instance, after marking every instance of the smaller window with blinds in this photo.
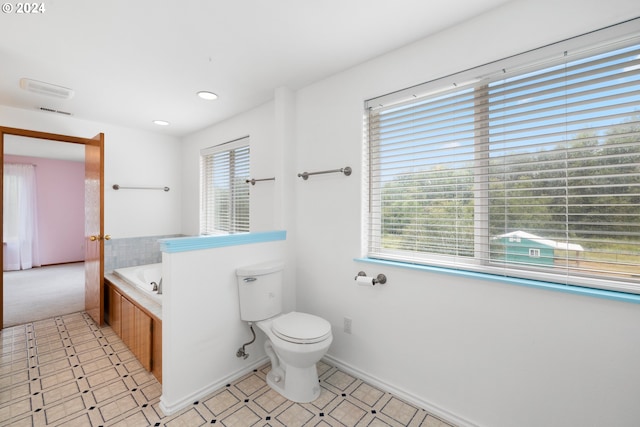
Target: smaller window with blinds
(531, 172)
(224, 190)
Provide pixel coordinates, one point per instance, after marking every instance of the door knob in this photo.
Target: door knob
(99, 237)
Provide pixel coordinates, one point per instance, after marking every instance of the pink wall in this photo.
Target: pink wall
(60, 208)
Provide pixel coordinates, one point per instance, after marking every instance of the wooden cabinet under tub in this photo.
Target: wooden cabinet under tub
(138, 328)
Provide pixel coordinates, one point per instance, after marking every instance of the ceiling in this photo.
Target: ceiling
(132, 62)
(32, 147)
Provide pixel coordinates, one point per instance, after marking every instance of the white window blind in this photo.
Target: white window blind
(224, 201)
(532, 173)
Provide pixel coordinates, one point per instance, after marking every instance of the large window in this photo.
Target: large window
(529, 172)
(224, 199)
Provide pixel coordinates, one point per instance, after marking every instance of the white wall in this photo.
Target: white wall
(201, 326)
(478, 352)
(142, 159)
(270, 128)
(259, 126)
(133, 158)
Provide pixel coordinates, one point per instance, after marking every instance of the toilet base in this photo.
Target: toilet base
(299, 385)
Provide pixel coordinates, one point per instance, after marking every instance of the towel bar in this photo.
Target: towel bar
(305, 175)
(119, 187)
(253, 181)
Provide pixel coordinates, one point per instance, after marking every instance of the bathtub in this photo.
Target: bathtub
(141, 276)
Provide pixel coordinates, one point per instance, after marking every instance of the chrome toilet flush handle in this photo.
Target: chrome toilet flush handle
(250, 279)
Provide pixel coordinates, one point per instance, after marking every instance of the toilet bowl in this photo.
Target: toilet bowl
(295, 341)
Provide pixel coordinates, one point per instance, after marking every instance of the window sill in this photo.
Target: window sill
(571, 289)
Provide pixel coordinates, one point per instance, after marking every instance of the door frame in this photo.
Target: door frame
(59, 138)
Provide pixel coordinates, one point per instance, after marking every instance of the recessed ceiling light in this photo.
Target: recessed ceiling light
(209, 96)
(161, 122)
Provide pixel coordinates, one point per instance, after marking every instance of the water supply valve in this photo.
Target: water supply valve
(241, 352)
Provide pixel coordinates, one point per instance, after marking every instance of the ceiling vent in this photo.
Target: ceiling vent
(51, 110)
(46, 88)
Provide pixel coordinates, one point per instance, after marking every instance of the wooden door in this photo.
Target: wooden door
(156, 349)
(94, 229)
(142, 348)
(127, 324)
(115, 310)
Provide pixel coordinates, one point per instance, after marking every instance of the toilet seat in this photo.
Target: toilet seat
(301, 328)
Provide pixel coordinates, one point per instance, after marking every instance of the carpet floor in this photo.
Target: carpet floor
(43, 293)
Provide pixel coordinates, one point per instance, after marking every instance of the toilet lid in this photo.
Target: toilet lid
(301, 328)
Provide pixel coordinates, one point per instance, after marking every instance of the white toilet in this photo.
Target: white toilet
(295, 341)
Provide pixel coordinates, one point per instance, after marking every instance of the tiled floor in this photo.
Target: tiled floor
(67, 371)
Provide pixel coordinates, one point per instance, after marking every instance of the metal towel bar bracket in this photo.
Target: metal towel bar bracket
(119, 187)
(346, 170)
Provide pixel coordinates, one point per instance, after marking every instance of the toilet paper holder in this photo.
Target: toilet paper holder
(380, 278)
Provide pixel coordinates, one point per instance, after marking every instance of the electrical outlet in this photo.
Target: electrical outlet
(347, 325)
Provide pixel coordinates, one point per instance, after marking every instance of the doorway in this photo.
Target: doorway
(93, 240)
(53, 221)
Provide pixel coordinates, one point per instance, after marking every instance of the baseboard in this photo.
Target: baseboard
(412, 399)
(171, 408)
(445, 415)
(62, 263)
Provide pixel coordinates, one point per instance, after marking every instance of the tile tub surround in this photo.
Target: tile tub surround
(68, 371)
(132, 251)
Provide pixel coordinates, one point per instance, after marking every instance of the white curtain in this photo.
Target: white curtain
(21, 249)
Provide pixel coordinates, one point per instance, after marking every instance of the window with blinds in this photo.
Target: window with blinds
(532, 173)
(224, 198)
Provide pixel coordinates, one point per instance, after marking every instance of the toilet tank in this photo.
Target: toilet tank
(260, 290)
